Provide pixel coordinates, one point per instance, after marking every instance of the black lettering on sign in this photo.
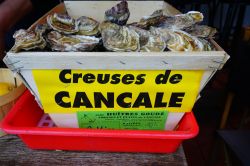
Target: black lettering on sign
(143, 99)
(128, 79)
(103, 78)
(176, 78)
(81, 99)
(115, 79)
(140, 79)
(76, 77)
(124, 100)
(176, 99)
(99, 99)
(122, 97)
(158, 100)
(59, 99)
(67, 76)
(162, 78)
(63, 74)
(89, 78)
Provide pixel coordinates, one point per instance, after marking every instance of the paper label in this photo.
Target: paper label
(141, 120)
(70, 91)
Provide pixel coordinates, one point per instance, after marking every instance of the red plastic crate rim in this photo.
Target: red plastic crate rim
(25, 115)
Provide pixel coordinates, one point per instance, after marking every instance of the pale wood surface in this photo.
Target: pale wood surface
(211, 60)
(96, 9)
(14, 152)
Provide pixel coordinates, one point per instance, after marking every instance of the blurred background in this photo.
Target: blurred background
(223, 110)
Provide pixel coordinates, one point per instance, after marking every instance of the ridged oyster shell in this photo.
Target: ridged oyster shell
(119, 38)
(153, 20)
(207, 45)
(182, 21)
(28, 40)
(201, 31)
(148, 41)
(164, 32)
(87, 26)
(193, 43)
(143, 34)
(177, 40)
(118, 14)
(62, 23)
(60, 42)
(154, 44)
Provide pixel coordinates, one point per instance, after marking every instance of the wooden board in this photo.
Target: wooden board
(209, 60)
(14, 152)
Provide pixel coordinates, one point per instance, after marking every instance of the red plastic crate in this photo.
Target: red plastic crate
(26, 114)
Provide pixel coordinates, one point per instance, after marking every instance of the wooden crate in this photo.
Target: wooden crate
(24, 62)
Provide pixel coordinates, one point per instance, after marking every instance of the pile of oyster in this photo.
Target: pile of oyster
(154, 33)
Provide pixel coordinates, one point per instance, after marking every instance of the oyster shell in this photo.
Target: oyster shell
(178, 43)
(153, 20)
(164, 32)
(194, 43)
(143, 34)
(207, 45)
(181, 21)
(201, 31)
(62, 23)
(119, 38)
(87, 26)
(154, 44)
(149, 42)
(118, 14)
(60, 42)
(177, 40)
(28, 40)
(196, 16)
(41, 28)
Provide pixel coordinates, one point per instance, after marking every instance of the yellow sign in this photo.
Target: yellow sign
(70, 91)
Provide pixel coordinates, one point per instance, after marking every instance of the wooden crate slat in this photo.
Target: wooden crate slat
(117, 61)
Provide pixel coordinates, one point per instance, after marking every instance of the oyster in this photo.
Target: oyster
(143, 34)
(61, 42)
(118, 14)
(178, 43)
(87, 26)
(153, 20)
(194, 43)
(201, 31)
(181, 21)
(119, 38)
(62, 23)
(154, 44)
(164, 32)
(207, 45)
(28, 40)
(149, 42)
(177, 40)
